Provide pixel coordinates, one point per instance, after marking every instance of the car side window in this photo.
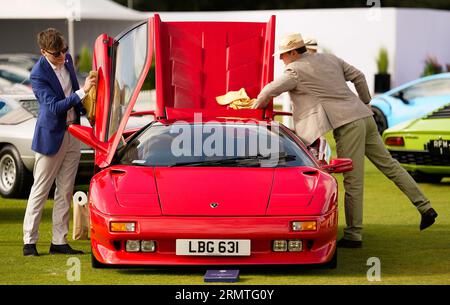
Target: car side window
(131, 54)
(434, 87)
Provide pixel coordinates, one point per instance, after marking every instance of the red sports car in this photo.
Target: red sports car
(202, 184)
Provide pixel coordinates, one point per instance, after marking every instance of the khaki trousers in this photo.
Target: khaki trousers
(62, 169)
(356, 140)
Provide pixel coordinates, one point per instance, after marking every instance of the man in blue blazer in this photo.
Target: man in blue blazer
(56, 88)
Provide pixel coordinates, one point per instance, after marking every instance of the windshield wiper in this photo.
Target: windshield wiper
(234, 160)
(223, 161)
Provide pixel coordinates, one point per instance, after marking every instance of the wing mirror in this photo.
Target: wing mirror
(340, 165)
(401, 96)
(86, 135)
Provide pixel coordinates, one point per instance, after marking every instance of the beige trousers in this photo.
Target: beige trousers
(356, 140)
(62, 169)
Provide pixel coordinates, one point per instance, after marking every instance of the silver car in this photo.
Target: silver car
(17, 122)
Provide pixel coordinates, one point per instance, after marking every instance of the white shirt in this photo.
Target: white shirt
(64, 79)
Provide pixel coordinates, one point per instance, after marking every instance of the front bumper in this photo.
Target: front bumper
(318, 246)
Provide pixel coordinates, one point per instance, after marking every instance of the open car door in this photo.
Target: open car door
(122, 64)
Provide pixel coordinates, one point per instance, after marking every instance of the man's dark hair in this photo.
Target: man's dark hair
(51, 39)
(301, 50)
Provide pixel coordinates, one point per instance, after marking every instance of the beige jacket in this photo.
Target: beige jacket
(321, 99)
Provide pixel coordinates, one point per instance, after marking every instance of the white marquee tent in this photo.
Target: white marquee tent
(356, 35)
(81, 21)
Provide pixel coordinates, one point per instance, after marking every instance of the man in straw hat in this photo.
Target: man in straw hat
(322, 101)
(311, 45)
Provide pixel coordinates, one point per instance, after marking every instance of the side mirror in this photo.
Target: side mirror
(86, 135)
(340, 165)
(401, 96)
(142, 113)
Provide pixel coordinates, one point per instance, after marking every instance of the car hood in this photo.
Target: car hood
(213, 191)
(435, 122)
(429, 126)
(231, 191)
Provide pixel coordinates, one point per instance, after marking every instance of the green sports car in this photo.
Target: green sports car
(422, 146)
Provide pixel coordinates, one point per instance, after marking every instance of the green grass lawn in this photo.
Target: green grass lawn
(391, 233)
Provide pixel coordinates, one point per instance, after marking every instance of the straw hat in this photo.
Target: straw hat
(289, 42)
(311, 43)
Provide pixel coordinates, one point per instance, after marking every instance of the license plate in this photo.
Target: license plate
(439, 147)
(213, 247)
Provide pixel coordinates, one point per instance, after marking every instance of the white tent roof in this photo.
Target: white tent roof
(65, 9)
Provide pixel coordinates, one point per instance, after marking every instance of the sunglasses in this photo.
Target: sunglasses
(57, 54)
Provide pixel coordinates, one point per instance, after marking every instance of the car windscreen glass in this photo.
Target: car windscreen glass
(214, 144)
(130, 53)
(434, 87)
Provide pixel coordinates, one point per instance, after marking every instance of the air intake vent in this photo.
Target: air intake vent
(442, 113)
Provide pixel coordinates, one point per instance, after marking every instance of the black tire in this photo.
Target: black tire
(15, 178)
(426, 178)
(96, 264)
(380, 119)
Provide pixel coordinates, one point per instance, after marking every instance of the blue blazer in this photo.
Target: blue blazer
(53, 105)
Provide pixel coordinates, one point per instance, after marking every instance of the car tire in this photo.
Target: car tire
(15, 178)
(96, 264)
(426, 178)
(380, 119)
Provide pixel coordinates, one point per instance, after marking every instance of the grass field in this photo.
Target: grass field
(391, 233)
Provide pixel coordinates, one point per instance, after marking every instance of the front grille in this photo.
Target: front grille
(420, 158)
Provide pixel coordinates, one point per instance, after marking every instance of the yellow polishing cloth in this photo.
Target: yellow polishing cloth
(235, 99)
(90, 100)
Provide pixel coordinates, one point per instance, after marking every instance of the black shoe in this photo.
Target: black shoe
(347, 243)
(428, 218)
(63, 249)
(30, 250)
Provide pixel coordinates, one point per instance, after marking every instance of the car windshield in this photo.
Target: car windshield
(214, 144)
(434, 87)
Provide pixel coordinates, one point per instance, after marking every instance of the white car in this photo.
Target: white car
(8, 87)
(23, 60)
(15, 75)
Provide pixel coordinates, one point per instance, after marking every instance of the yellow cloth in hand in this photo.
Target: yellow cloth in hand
(236, 99)
(90, 100)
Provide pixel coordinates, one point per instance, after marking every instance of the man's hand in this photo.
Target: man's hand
(258, 104)
(90, 81)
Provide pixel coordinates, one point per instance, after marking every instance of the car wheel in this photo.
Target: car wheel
(95, 263)
(15, 179)
(380, 119)
(426, 178)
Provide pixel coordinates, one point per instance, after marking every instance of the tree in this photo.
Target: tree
(85, 60)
